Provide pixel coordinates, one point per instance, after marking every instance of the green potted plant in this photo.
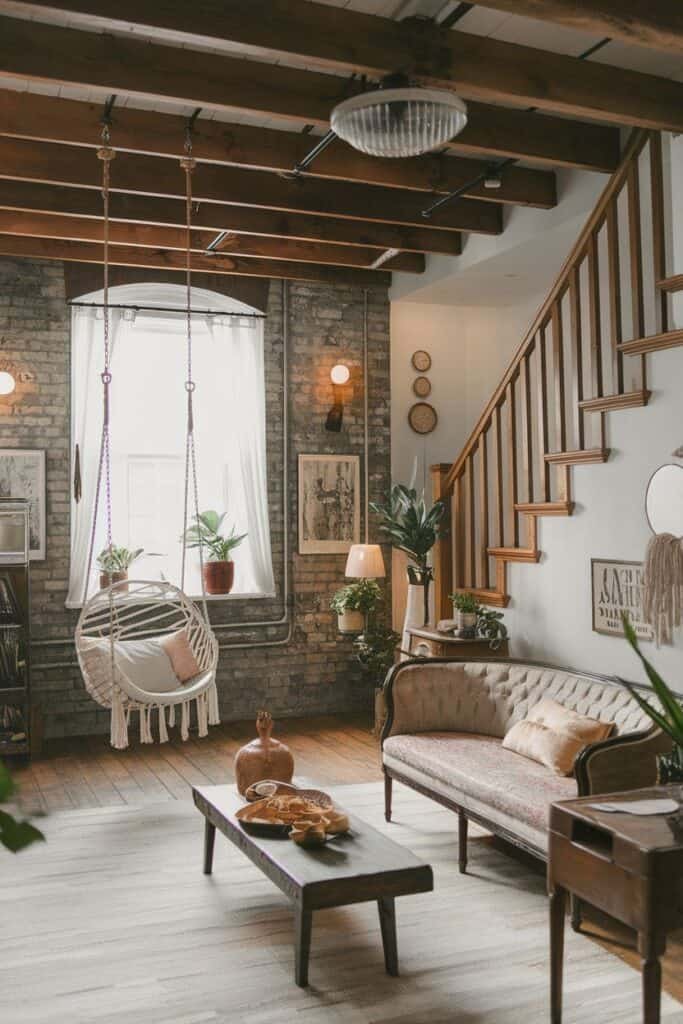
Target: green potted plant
(218, 567)
(668, 716)
(15, 835)
(114, 563)
(415, 529)
(353, 603)
(375, 650)
(466, 608)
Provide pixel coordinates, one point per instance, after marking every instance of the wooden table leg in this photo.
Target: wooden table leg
(558, 903)
(651, 948)
(209, 838)
(387, 922)
(304, 921)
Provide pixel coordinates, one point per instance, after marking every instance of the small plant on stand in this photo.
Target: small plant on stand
(474, 620)
(353, 604)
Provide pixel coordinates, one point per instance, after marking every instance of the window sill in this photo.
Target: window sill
(77, 605)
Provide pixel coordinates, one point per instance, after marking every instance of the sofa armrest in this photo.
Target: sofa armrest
(620, 763)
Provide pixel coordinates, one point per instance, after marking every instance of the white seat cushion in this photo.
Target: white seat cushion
(144, 662)
(478, 767)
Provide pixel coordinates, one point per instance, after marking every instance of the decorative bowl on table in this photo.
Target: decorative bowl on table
(307, 816)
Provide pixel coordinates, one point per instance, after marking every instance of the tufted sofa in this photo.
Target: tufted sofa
(443, 737)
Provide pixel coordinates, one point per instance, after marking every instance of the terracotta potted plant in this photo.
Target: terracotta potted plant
(352, 604)
(218, 568)
(114, 563)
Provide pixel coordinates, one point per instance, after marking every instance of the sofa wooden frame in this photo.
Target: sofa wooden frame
(652, 739)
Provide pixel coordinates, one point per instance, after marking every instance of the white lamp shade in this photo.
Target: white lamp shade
(365, 562)
(7, 383)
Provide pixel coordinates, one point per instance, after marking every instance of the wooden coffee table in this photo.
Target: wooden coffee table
(363, 865)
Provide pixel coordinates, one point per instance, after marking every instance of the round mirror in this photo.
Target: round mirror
(664, 500)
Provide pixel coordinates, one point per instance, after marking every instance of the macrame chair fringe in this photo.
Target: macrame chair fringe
(163, 731)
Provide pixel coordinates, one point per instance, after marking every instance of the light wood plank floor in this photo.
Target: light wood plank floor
(332, 750)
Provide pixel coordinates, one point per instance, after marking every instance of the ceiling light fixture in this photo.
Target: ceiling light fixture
(398, 119)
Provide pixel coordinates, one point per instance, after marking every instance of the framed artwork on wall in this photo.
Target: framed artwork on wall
(329, 503)
(22, 475)
(618, 587)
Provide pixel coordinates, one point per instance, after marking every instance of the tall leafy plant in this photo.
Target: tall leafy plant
(15, 834)
(669, 715)
(411, 527)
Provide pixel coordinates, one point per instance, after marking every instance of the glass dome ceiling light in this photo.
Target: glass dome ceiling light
(401, 122)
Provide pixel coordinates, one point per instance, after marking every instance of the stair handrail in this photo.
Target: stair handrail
(634, 147)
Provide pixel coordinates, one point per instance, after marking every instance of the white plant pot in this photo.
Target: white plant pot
(351, 622)
(415, 614)
(467, 620)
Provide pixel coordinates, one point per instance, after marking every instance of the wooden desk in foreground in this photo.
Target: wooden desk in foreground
(628, 866)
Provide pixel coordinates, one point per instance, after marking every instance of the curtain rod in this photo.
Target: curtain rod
(167, 309)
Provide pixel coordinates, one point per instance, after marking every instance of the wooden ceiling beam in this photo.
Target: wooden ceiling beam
(267, 224)
(154, 176)
(172, 260)
(480, 68)
(27, 115)
(156, 236)
(657, 24)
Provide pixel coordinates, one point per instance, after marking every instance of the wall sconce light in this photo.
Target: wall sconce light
(339, 375)
(7, 383)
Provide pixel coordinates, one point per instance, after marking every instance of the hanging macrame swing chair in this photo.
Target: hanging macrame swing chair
(120, 624)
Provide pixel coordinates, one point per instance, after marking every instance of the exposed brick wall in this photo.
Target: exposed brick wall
(315, 670)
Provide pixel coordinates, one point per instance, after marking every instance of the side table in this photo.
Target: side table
(624, 864)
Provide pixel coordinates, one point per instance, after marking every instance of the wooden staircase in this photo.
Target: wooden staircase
(584, 356)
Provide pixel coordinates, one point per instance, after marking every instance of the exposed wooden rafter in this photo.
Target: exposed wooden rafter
(157, 236)
(155, 176)
(655, 23)
(481, 68)
(141, 209)
(52, 119)
(173, 260)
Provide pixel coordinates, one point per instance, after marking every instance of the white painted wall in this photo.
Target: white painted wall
(471, 341)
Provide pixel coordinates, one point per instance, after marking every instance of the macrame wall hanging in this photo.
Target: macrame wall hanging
(663, 568)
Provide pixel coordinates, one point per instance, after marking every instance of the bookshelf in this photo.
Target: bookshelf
(15, 630)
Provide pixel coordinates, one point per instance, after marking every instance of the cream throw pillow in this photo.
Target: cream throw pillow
(554, 736)
(177, 647)
(145, 662)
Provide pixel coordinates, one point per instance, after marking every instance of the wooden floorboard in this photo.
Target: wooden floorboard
(329, 750)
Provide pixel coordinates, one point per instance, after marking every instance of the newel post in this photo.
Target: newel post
(442, 550)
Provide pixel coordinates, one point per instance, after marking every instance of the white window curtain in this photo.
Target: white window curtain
(148, 425)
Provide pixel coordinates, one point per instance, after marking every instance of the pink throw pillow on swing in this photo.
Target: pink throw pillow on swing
(177, 647)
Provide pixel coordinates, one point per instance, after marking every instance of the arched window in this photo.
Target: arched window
(148, 419)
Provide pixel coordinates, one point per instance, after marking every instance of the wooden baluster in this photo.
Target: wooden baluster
(511, 400)
(441, 556)
(615, 297)
(470, 577)
(594, 315)
(527, 440)
(636, 251)
(542, 391)
(483, 512)
(558, 378)
(457, 530)
(658, 232)
(576, 329)
(499, 539)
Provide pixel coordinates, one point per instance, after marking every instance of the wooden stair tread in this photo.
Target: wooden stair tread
(512, 554)
(492, 597)
(671, 284)
(579, 458)
(608, 403)
(545, 508)
(651, 343)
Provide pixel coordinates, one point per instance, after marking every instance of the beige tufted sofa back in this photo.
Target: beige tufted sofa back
(488, 697)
